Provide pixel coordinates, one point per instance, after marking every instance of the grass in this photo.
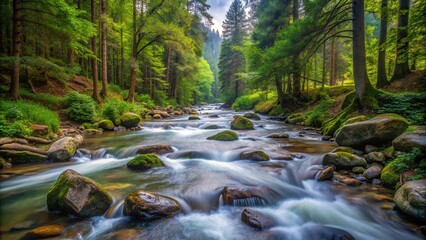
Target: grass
(45, 99)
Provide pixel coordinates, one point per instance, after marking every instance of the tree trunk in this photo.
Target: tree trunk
(121, 59)
(324, 74)
(362, 84)
(133, 64)
(279, 86)
(296, 64)
(94, 62)
(401, 65)
(382, 79)
(71, 57)
(332, 81)
(104, 49)
(16, 50)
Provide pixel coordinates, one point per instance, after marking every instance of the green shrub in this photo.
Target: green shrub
(145, 98)
(246, 102)
(79, 107)
(318, 115)
(45, 99)
(412, 106)
(30, 113)
(265, 106)
(19, 128)
(114, 108)
(404, 161)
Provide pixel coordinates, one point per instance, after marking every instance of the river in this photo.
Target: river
(298, 204)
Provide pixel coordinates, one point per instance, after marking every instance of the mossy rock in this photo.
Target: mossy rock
(389, 176)
(226, 135)
(241, 123)
(212, 127)
(254, 155)
(63, 149)
(145, 162)
(92, 131)
(358, 170)
(295, 118)
(87, 126)
(343, 160)
(388, 152)
(106, 125)
(343, 149)
(130, 120)
(253, 116)
(22, 157)
(356, 119)
(78, 195)
(194, 118)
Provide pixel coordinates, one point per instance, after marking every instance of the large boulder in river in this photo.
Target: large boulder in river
(343, 160)
(379, 130)
(411, 199)
(409, 140)
(130, 120)
(251, 115)
(255, 155)
(149, 206)
(373, 172)
(257, 219)
(246, 196)
(78, 195)
(189, 154)
(63, 149)
(145, 162)
(106, 125)
(226, 135)
(157, 149)
(241, 123)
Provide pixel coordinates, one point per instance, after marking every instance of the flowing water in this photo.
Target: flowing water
(301, 206)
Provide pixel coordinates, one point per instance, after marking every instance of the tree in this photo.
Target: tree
(94, 62)
(104, 48)
(382, 79)
(16, 50)
(401, 66)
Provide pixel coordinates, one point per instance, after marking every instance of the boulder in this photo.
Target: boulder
(347, 149)
(106, 125)
(149, 206)
(379, 130)
(245, 196)
(63, 149)
(213, 116)
(92, 131)
(22, 157)
(254, 155)
(389, 176)
(188, 154)
(40, 130)
(277, 135)
(326, 174)
(78, 195)
(356, 119)
(226, 135)
(157, 149)
(44, 232)
(343, 160)
(373, 172)
(145, 162)
(156, 116)
(194, 118)
(164, 114)
(212, 127)
(241, 123)
(407, 141)
(410, 198)
(370, 148)
(295, 118)
(21, 147)
(358, 170)
(376, 157)
(257, 219)
(130, 120)
(253, 116)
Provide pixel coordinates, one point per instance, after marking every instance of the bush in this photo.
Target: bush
(412, 106)
(45, 99)
(29, 113)
(404, 161)
(145, 98)
(318, 115)
(114, 108)
(79, 107)
(18, 128)
(246, 102)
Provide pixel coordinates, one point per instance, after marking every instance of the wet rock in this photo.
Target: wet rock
(44, 232)
(157, 149)
(130, 120)
(212, 127)
(78, 195)
(226, 135)
(156, 116)
(408, 140)
(22, 157)
(358, 170)
(257, 219)
(23, 226)
(253, 116)
(166, 127)
(370, 148)
(373, 172)
(164, 114)
(177, 113)
(213, 116)
(376, 157)
(326, 138)
(194, 118)
(411, 199)
(38, 140)
(326, 232)
(297, 155)
(188, 155)
(376, 182)
(389, 176)
(347, 149)
(122, 234)
(343, 160)
(295, 118)
(277, 135)
(326, 174)
(145, 162)
(254, 155)
(241, 123)
(352, 182)
(40, 130)
(280, 156)
(21, 147)
(63, 149)
(92, 131)
(149, 206)
(379, 130)
(106, 124)
(360, 177)
(245, 196)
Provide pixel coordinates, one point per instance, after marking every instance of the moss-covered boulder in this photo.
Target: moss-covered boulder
(343, 160)
(157, 149)
(194, 118)
(22, 157)
(226, 135)
(106, 125)
(389, 176)
(144, 162)
(411, 199)
(251, 115)
(149, 206)
(130, 120)
(379, 130)
(358, 170)
(213, 126)
(409, 140)
(356, 119)
(63, 149)
(241, 123)
(189, 154)
(295, 118)
(78, 195)
(254, 155)
(91, 131)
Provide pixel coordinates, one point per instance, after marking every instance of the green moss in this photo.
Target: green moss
(319, 114)
(356, 119)
(393, 116)
(193, 118)
(295, 118)
(92, 131)
(226, 135)
(22, 157)
(212, 127)
(346, 155)
(106, 124)
(144, 162)
(389, 176)
(241, 123)
(276, 110)
(255, 155)
(130, 119)
(332, 126)
(87, 125)
(343, 149)
(388, 152)
(358, 170)
(265, 106)
(253, 116)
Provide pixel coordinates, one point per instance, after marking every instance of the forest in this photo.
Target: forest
(135, 119)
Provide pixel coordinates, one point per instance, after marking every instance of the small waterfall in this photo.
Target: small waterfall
(249, 202)
(116, 210)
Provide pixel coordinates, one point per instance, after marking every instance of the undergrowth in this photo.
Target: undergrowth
(412, 106)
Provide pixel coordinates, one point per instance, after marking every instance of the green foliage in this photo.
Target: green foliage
(404, 161)
(318, 115)
(79, 107)
(19, 128)
(45, 99)
(28, 113)
(246, 102)
(412, 106)
(144, 162)
(420, 171)
(145, 98)
(265, 106)
(114, 108)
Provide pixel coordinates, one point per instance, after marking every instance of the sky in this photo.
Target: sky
(218, 9)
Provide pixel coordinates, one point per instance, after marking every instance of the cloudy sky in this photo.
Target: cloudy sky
(218, 9)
